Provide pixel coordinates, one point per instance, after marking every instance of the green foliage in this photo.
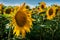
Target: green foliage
(42, 29)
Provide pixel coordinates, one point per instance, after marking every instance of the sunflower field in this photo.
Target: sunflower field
(24, 23)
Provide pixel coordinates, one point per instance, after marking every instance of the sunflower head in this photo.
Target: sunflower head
(21, 21)
(1, 6)
(27, 7)
(58, 11)
(58, 8)
(51, 12)
(55, 5)
(42, 7)
(8, 10)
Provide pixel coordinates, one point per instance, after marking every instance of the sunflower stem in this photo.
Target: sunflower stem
(9, 33)
(40, 34)
(52, 33)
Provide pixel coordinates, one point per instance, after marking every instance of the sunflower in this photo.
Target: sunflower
(58, 11)
(42, 6)
(21, 21)
(8, 10)
(51, 12)
(58, 8)
(34, 10)
(1, 6)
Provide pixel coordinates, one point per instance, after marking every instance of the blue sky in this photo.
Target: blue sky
(31, 3)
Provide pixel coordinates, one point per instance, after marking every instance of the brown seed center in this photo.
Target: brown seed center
(20, 18)
(8, 11)
(42, 6)
(50, 11)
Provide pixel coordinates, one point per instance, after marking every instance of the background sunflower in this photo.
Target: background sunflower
(51, 12)
(8, 10)
(42, 6)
